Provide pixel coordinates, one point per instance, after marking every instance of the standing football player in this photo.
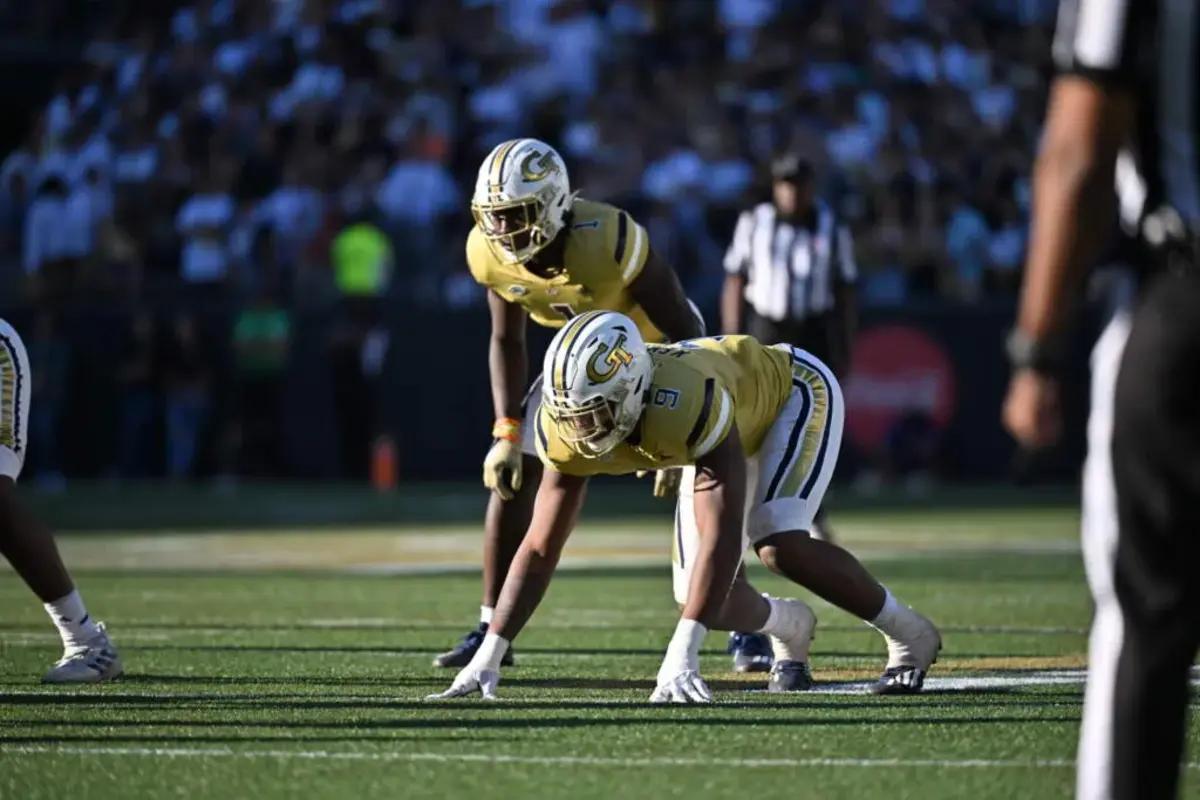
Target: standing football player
(756, 422)
(88, 655)
(546, 254)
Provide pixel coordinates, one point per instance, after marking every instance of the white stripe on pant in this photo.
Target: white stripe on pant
(1094, 779)
(14, 401)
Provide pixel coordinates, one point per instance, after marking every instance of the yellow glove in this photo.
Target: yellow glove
(666, 481)
(502, 467)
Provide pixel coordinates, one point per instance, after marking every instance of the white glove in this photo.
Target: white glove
(685, 687)
(482, 674)
(666, 481)
(502, 469)
(470, 680)
(679, 678)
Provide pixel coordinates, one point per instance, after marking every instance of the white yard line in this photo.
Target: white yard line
(583, 761)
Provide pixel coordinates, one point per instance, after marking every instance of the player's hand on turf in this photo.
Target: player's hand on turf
(502, 469)
(681, 687)
(666, 481)
(470, 680)
(679, 678)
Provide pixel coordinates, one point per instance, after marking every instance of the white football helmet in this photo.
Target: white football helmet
(521, 198)
(595, 380)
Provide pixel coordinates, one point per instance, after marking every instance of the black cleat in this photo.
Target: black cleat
(462, 653)
(790, 676)
(900, 680)
(751, 652)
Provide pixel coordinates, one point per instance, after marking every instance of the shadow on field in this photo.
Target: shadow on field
(706, 717)
(168, 739)
(871, 653)
(403, 651)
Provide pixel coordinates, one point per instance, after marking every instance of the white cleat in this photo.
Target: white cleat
(910, 658)
(93, 662)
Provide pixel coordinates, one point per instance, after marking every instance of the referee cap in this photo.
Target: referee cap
(791, 167)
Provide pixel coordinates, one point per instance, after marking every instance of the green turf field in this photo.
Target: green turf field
(303, 675)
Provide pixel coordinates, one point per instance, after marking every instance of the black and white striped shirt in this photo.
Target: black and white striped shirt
(1150, 48)
(790, 268)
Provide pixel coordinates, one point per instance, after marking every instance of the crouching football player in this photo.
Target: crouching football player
(544, 254)
(88, 655)
(754, 421)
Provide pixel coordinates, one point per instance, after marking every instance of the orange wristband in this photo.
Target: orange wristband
(508, 429)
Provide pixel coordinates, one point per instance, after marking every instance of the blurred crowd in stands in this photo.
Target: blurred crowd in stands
(270, 157)
(256, 146)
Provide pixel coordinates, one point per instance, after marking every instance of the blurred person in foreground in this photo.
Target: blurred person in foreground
(88, 654)
(735, 409)
(1124, 108)
(790, 275)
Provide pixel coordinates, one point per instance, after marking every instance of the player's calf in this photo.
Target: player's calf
(837, 576)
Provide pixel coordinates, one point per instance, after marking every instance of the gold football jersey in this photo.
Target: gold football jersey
(606, 250)
(700, 390)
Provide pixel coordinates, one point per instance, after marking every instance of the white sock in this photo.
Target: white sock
(74, 624)
(892, 617)
(491, 653)
(786, 623)
(485, 614)
(774, 612)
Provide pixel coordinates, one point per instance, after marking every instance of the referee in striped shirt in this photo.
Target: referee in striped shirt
(790, 271)
(1125, 110)
(790, 275)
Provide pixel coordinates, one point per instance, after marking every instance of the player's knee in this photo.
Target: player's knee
(768, 554)
(769, 548)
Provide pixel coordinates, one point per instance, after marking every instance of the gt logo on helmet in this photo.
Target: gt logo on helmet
(614, 359)
(545, 164)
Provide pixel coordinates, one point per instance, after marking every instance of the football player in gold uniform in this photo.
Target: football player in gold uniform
(546, 254)
(759, 424)
(89, 656)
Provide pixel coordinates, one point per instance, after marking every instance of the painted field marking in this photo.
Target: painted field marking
(598, 619)
(583, 761)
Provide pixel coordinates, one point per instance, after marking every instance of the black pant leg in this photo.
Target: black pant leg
(1156, 470)
(766, 331)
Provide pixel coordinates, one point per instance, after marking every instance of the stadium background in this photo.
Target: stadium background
(208, 416)
(339, 134)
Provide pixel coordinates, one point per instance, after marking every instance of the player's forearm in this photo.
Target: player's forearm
(732, 308)
(524, 587)
(719, 520)
(555, 513)
(508, 365)
(1073, 181)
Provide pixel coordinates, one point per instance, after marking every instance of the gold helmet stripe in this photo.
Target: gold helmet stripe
(499, 156)
(569, 336)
